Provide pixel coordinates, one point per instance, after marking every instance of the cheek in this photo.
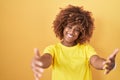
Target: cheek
(77, 34)
(65, 31)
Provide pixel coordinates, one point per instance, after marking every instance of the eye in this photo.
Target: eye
(70, 27)
(77, 30)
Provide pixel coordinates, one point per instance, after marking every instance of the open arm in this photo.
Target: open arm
(39, 63)
(97, 62)
(104, 64)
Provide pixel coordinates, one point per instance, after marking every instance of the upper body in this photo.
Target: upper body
(71, 63)
(72, 57)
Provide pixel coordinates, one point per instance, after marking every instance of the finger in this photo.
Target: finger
(37, 74)
(36, 77)
(35, 63)
(105, 66)
(36, 51)
(106, 63)
(113, 55)
(37, 69)
(106, 71)
(38, 63)
(108, 66)
(40, 70)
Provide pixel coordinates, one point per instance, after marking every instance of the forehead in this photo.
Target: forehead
(75, 25)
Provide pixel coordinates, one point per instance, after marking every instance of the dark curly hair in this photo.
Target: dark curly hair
(74, 15)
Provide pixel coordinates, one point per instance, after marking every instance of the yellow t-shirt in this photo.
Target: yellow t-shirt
(71, 63)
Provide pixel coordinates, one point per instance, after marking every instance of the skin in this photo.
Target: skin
(39, 63)
(71, 33)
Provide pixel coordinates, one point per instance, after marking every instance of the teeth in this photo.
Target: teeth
(70, 35)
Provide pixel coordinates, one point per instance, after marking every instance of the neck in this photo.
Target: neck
(68, 44)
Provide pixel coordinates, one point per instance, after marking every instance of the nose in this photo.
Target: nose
(71, 31)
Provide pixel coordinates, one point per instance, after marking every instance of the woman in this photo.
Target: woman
(72, 56)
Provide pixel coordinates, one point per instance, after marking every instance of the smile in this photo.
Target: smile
(69, 35)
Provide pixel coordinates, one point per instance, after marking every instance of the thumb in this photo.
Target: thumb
(36, 52)
(113, 55)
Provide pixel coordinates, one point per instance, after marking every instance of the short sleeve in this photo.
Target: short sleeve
(90, 51)
(49, 50)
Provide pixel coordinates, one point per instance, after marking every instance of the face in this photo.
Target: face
(71, 34)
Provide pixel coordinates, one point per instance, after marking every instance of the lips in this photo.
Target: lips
(69, 35)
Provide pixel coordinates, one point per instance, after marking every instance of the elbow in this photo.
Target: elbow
(46, 61)
(97, 62)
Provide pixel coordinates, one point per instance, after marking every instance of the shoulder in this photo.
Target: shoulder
(51, 49)
(53, 46)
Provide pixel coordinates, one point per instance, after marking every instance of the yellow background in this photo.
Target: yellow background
(26, 24)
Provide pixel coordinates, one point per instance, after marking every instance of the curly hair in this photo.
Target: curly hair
(74, 15)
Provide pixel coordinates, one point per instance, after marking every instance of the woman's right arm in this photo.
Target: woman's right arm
(39, 63)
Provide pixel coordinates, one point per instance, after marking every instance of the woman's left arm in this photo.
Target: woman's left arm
(104, 64)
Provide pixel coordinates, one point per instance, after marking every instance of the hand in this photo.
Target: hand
(36, 65)
(109, 64)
